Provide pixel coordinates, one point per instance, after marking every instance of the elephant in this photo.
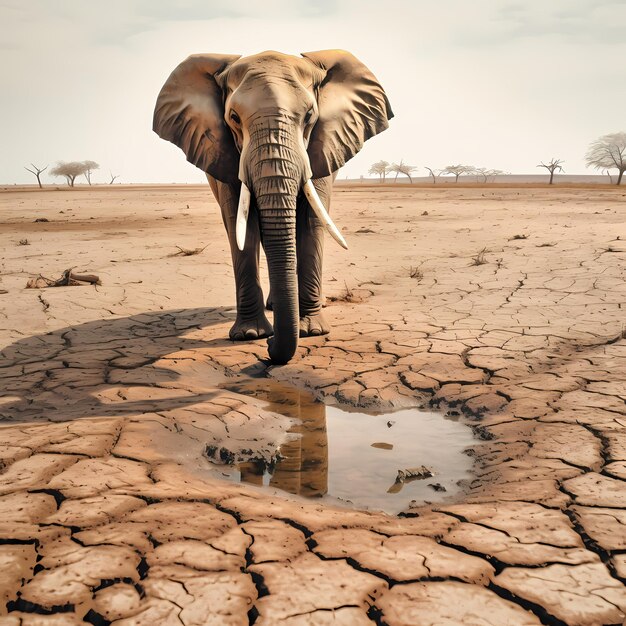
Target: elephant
(270, 131)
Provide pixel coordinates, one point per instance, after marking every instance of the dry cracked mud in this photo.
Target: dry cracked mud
(110, 397)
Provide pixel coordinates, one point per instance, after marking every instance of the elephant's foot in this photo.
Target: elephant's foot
(251, 328)
(313, 325)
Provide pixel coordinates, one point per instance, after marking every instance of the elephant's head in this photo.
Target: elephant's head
(268, 124)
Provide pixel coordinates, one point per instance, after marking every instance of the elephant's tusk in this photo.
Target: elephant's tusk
(316, 204)
(242, 216)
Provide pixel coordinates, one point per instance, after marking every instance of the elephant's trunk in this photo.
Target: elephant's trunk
(276, 170)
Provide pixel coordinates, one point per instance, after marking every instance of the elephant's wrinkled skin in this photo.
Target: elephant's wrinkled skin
(271, 122)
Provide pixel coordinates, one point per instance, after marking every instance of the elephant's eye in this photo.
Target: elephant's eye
(235, 118)
(308, 116)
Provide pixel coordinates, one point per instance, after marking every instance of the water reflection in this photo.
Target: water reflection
(302, 467)
(372, 461)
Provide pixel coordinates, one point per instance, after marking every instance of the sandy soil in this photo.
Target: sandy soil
(110, 397)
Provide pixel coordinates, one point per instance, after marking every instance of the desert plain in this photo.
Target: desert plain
(500, 306)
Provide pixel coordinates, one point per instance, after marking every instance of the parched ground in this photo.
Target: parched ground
(505, 304)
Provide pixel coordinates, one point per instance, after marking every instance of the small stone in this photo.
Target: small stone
(382, 445)
(437, 486)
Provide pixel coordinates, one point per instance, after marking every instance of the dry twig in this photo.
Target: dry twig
(346, 296)
(68, 279)
(416, 272)
(188, 252)
(479, 259)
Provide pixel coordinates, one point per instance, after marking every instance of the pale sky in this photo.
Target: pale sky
(491, 83)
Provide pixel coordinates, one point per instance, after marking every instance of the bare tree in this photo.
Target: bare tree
(433, 173)
(394, 168)
(609, 152)
(552, 166)
(482, 171)
(113, 177)
(89, 167)
(70, 169)
(402, 168)
(380, 168)
(36, 171)
(493, 173)
(458, 170)
(487, 173)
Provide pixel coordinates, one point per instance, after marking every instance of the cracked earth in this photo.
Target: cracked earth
(110, 397)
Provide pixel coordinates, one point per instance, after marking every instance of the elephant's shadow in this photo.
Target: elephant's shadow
(61, 375)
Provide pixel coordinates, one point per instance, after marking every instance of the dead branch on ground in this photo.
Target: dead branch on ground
(68, 279)
(187, 251)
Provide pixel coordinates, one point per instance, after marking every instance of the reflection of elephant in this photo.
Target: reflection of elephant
(271, 131)
(301, 463)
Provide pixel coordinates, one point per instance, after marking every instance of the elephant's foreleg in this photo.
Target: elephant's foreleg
(251, 322)
(310, 249)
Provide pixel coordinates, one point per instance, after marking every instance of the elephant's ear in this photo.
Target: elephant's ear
(189, 112)
(352, 108)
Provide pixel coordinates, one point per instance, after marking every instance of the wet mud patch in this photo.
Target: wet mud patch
(144, 389)
(370, 461)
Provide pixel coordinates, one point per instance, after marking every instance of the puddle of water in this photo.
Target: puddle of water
(378, 462)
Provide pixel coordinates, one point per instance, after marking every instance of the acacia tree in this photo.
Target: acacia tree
(380, 168)
(117, 176)
(458, 170)
(609, 152)
(552, 167)
(36, 171)
(89, 167)
(492, 173)
(482, 171)
(433, 173)
(487, 173)
(70, 169)
(402, 168)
